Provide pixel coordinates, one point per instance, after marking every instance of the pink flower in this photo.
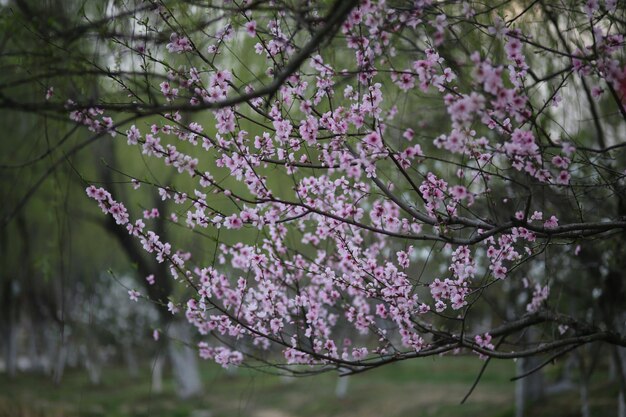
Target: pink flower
(134, 295)
(458, 192)
(561, 162)
(119, 213)
(168, 91)
(359, 353)
(408, 134)
(596, 92)
(233, 222)
(373, 139)
(499, 28)
(151, 214)
(437, 288)
(499, 271)
(484, 341)
(171, 307)
(540, 295)
(590, 7)
(563, 178)
(610, 5)
(404, 80)
(251, 28)
(196, 127)
(568, 148)
(551, 223)
(403, 258)
(178, 44)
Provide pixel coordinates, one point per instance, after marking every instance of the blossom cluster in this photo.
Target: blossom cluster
(336, 182)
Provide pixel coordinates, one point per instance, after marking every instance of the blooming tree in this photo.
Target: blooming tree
(374, 173)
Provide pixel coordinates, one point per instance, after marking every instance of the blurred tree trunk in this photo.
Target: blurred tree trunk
(586, 368)
(8, 313)
(619, 366)
(92, 355)
(528, 389)
(61, 360)
(532, 387)
(341, 389)
(184, 360)
(10, 347)
(131, 360)
(584, 388)
(157, 373)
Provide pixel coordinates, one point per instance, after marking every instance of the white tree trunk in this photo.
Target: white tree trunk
(10, 346)
(584, 398)
(184, 361)
(528, 389)
(520, 403)
(131, 360)
(61, 360)
(94, 357)
(157, 373)
(619, 366)
(585, 370)
(341, 389)
(94, 371)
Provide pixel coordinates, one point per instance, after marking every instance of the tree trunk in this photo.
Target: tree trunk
(10, 348)
(586, 369)
(93, 370)
(157, 373)
(584, 397)
(184, 361)
(528, 389)
(131, 360)
(93, 358)
(619, 364)
(61, 361)
(341, 389)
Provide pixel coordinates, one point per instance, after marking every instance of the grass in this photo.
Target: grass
(425, 388)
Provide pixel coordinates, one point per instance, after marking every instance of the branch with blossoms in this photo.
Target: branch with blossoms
(352, 137)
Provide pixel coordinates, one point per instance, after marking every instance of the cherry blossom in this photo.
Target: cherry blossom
(349, 163)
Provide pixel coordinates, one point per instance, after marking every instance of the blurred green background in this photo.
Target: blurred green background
(431, 387)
